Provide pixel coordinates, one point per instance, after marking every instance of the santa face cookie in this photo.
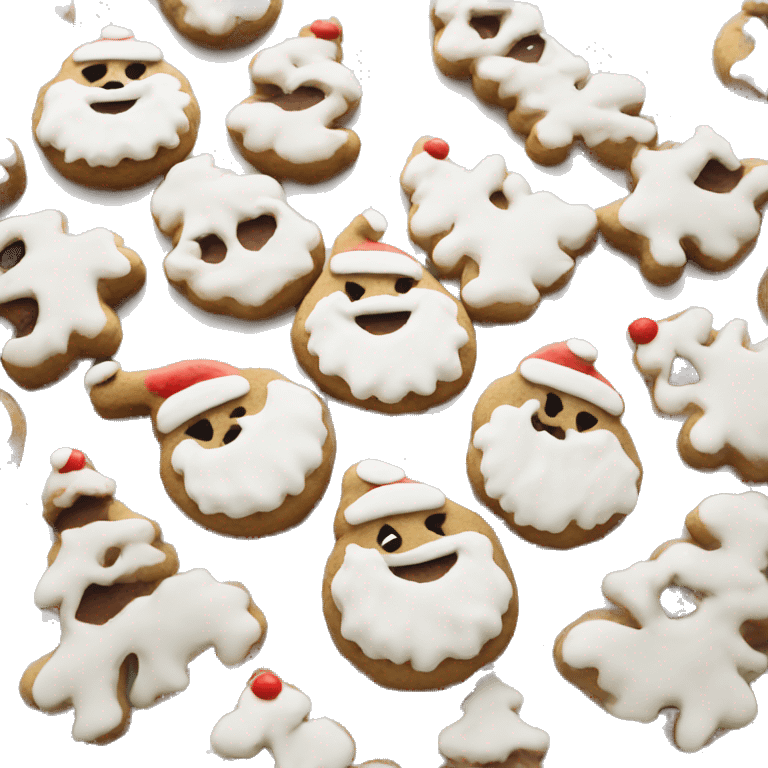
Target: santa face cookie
(378, 330)
(243, 452)
(484, 225)
(417, 592)
(717, 380)
(548, 452)
(59, 291)
(239, 248)
(117, 114)
(13, 173)
(290, 128)
(740, 51)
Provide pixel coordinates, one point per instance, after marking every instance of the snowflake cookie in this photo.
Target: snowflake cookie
(740, 55)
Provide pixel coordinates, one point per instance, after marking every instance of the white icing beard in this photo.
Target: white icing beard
(69, 125)
(548, 483)
(422, 623)
(414, 358)
(269, 460)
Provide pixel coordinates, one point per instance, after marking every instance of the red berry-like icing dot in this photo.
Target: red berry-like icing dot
(437, 148)
(266, 686)
(75, 461)
(325, 30)
(643, 330)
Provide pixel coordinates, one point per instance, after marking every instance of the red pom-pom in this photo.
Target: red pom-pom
(75, 461)
(643, 330)
(266, 686)
(437, 148)
(325, 30)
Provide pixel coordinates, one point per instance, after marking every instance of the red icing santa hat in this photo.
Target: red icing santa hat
(117, 44)
(568, 366)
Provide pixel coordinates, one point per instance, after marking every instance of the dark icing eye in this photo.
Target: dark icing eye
(435, 523)
(232, 434)
(201, 430)
(355, 291)
(254, 234)
(529, 49)
(212, 249)
(554, 405)
(135, 70)
(585, 421)
(237, 413)
(404, 284)
(389, 539)
(12, 254)
(94, 72)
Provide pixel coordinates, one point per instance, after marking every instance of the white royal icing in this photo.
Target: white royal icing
(299, 136)
(755, 65)
(67, 298)
(378, 472)
(699, 663)
(218, 17)
(394, 499)
(117, 44)
(376, 219)
(666, 206)
(206, 200)
(65, 488)
(731, 386)
(518, 250)
(374, 262)
(101, 372)
(490, 729)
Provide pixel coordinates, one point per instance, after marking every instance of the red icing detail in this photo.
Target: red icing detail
(643, 330)
(173, 378)
(266, 686)
(560, 353)
(325, 30)
(437, 148)
(75, 462)
(373, 245)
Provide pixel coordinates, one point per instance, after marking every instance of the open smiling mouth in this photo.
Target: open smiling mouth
(382, 323)
(430, 570)
(112, 107)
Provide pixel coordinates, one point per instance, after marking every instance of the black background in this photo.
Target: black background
(388, 47)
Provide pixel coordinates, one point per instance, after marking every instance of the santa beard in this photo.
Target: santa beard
(68, 123)
(422, 623)
(414, 358)
(548, 483)
(270, 459)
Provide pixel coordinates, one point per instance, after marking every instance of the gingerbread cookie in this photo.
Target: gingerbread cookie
(243, 452)
(378, 330)
(635, 657)
(716, 379)
(741, 48)
(484, 226)
(221, 23)
(417, 592)
(130, 624)
(116, 115)
(59, 291)
(13, 173)
(491, 731)
(290, 128)
(551, 96)
(274, 715)
(694, 201)
(239, 248)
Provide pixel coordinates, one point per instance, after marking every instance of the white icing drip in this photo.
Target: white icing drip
(753, 67)
(378, 472)
(394, 499)
(117, 44)
(72, 485)
(372, 262)
(101, 372)
(219, 17)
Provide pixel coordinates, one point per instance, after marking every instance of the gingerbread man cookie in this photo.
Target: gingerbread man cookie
(130, 624)
(13, 173)
(243, 452)
(59, 291)
(290, 128)
(694, 201)
(741, 48)
(116, 115)
(485, 226)
(716, 379)
(635, 657)
(417, 592)
(239, 248)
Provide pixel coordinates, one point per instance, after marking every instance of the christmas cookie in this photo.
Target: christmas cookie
(130, 624)
(13, 173)
(417, 592)
(59, 291)
(741, 50)
(484, 225)
(550, 94)
(548, 452)
(717, 380)
(637, 657)
(221, 23)
(243, 452)
(18, 435)
(290, 128)
(239, 248)
(117, 114)
(692, 201)
(274, 715)
(491, 732)
(378, 330)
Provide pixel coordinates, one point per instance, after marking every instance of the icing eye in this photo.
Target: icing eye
(554, 405)
(486, 26)
(201, 430)
(585, 421)
(237, 413)
(389, 539)
(12, 254)
(254, 234)
(499, 199)
(528, 50)
(355, 291)
(715, 177)
(232, 434)
(135, 70)
(435, 523)
(404, 284)
(94, 72)
(212, 249)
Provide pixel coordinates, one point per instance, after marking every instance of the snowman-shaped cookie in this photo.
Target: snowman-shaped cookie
(417, 592)
(116, 115)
